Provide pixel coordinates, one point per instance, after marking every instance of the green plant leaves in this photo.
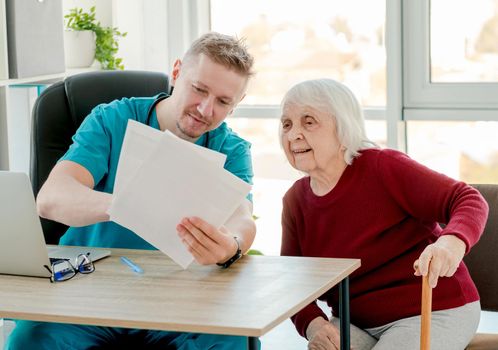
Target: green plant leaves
(79, 20)
(107, 47)
(106, 38)
(254, 252)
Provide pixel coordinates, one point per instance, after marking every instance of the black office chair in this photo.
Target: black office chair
(60, 109)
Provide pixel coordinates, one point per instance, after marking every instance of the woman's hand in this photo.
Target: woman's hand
(322, 335)
(440, 259)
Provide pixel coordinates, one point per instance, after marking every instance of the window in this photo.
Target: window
(293, 41)
(450, 86)
(447, 56)
(464, 46)
(463, 150)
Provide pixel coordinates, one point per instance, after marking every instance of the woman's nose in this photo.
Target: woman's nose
(294, 134)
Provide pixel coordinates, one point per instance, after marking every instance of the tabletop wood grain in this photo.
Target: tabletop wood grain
(250, 298)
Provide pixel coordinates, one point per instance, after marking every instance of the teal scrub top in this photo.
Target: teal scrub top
(97, 146)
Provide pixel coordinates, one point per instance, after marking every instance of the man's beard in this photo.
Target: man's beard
(186, 135)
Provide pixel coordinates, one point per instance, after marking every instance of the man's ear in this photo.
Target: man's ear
(175, 73)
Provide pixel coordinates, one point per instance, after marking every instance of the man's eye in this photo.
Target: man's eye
(197, 89)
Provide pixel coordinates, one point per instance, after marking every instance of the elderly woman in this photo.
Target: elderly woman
(359, 201)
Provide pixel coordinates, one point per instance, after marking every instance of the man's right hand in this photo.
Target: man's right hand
(322, 335)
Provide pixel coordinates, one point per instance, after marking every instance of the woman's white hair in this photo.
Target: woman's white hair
(334, 98)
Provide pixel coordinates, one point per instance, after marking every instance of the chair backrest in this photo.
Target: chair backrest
(482, 260)
(60, 109)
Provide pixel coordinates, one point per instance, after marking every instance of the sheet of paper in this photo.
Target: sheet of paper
(139, 142)
(174, 182)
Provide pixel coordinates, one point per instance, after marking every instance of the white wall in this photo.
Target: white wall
(145, 45)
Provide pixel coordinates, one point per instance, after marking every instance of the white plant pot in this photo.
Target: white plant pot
(79, 48)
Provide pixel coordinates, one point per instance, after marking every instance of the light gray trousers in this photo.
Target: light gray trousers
(451, 329)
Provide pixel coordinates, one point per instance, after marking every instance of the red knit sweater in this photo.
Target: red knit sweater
(384, 210)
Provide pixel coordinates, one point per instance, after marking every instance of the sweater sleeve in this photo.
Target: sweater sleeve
(434, 197)
(290, 247)
(303, 318)
(290, 241)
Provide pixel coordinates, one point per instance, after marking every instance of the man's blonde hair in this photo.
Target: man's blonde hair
(223, 49)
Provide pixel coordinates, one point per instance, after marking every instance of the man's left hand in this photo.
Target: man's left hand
(207, 244)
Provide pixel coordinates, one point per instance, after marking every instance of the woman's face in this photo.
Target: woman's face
(309, 139)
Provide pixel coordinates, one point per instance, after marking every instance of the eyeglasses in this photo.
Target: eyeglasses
(63, 270)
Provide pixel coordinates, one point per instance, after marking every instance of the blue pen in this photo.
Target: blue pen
(132, 265)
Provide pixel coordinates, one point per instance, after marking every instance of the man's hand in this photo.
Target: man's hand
(207, 244)
(322, 335)
(440, 259)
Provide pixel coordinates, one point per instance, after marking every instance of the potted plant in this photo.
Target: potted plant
(85, 40)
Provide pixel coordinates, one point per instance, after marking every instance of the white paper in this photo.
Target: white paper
(139, 142)
(172, 182)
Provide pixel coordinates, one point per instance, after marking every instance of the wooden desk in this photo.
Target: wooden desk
(249, 299)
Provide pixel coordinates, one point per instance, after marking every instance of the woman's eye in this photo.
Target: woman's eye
(309, 121)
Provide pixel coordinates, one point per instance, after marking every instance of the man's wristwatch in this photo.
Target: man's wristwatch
(234, 258)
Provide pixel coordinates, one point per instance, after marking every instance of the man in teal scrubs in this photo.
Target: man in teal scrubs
(208, 83)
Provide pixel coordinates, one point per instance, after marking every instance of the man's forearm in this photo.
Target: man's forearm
(242, 225)
(66, 200)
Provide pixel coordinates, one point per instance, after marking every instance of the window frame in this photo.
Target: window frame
(423, 97)
(410, 94)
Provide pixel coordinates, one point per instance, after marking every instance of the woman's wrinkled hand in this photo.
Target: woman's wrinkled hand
(322, 335)
(440, 259)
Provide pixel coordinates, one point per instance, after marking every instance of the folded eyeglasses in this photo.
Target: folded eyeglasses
(63, 270)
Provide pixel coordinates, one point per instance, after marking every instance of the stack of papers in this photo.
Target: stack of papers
(161, 179)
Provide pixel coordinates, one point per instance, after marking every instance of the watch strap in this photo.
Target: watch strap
(234, 258)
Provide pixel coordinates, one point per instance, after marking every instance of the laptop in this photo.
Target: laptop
(22, 245)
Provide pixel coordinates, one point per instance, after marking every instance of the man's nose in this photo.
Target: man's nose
(206, 107)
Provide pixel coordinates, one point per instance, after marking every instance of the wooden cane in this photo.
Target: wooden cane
(425, 324)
